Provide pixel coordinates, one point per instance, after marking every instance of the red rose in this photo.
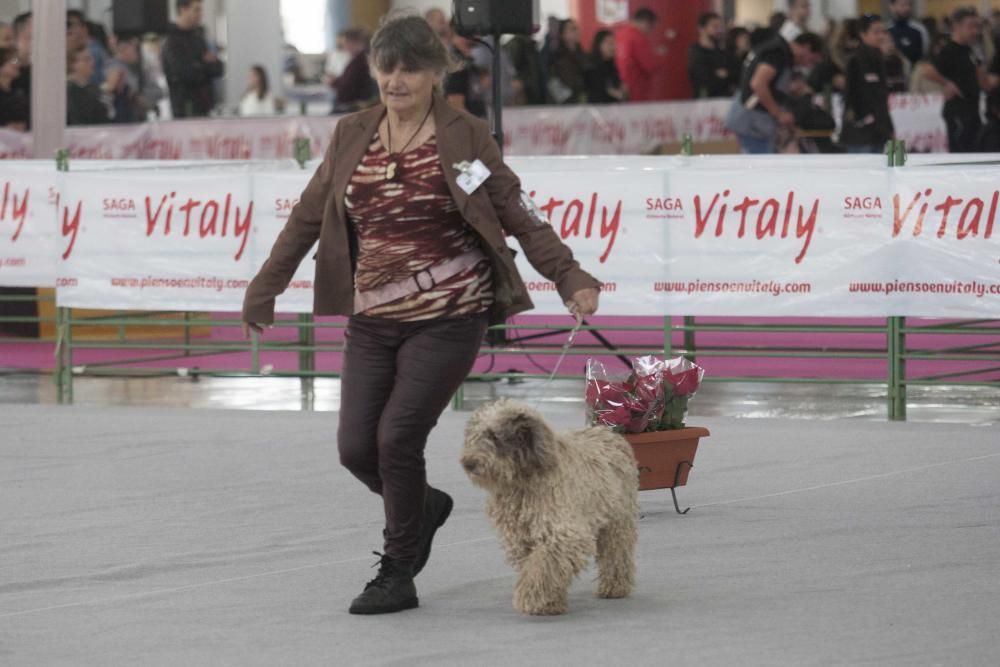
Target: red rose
(684, 383)
(620, 416)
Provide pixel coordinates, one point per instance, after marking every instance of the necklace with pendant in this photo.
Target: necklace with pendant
(391, 168)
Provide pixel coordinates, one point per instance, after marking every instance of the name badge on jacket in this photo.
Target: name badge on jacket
(472, 175)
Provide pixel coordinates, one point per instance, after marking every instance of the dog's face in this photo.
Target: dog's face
(505, 442)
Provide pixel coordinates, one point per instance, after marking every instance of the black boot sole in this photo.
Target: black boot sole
(412, 603)
(449, 505)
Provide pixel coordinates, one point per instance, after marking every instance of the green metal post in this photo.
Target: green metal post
(687, 145)
(187, 334)
(307, 360)
(65, 342)
(58, 375)
(900, 153)
(668, 341)
(302, 151)
(254, 352)
(689, 338)
(897, 368)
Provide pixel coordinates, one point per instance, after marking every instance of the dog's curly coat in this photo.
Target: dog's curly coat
(556, 500)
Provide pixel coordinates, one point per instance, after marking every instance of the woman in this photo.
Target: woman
(420, 265)
(737, 49)
(604, 83)
(13, 105)
(257, 101)
(566, 84)
(83, 99)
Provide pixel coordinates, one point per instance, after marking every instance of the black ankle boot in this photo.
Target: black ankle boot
(437, 508)
(391, 590)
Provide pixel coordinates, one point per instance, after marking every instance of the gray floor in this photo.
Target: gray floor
(219, 537)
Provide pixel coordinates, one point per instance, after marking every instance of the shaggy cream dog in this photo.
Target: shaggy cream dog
(556, 500)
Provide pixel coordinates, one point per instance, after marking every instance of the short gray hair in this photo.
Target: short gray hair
(408, 40)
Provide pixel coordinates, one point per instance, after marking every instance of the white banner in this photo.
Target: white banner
(720, 236)
(623, 129)
(28, 233)
(151, 241)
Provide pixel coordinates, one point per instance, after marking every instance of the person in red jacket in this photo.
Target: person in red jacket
(637, 59)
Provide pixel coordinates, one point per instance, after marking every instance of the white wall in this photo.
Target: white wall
(254, 31)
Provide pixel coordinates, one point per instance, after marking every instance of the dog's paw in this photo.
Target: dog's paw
(613, 590)
(550, 608)
(538, 605)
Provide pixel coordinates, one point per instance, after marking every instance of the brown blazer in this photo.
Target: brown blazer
(492, 211)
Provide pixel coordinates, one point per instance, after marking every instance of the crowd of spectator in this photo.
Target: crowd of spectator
(781, 76)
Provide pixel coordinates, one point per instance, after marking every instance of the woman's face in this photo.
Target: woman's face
(608, 48)
(406, 91)
(743, 43)
(571, 34)
(83, 64)
(6, 37)
(254, 79)
(11, 69)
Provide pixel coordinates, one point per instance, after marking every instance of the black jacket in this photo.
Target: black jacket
(866, 99)
(84, 105)
(708, 72)
(189, 77)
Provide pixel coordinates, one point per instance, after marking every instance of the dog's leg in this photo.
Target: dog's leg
(547, 572)
(616, 558)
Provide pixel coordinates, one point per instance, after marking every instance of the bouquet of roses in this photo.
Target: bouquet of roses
(653, 397)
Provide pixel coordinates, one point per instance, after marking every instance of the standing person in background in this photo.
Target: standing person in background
(258, 100)
(77, 37)
(989, 138)
(100, 48)
(797, 21)
(120, 94)
(188, 64)
(354, 88)
(22, 40)
(737, 47)
(638, 61)
(960, 71)
(84, 105)
(439, 23)
(465, 87)
(13, 106)
(867, 124)
(140, 75)
(897, 67)
(604, 84)
(7, 40)
(994, 71)
(566, 84)
(708, 64)
(910, 36)
(526, 60)
(758, 113)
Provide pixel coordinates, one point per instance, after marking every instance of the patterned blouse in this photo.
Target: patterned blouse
(407, 226)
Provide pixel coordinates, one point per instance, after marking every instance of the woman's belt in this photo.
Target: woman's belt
(422, 281)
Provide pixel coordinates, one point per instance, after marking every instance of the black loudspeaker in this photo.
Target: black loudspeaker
(494, 17)
(141, 16)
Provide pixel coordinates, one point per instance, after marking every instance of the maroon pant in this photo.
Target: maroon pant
(398, 378)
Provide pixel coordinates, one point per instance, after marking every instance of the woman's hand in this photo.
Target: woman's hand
(251, 326)
(584, 303)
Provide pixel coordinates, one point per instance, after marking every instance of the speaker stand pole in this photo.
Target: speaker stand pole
(497, 336)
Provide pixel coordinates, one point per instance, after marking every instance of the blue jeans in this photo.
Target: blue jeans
(756, 145)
